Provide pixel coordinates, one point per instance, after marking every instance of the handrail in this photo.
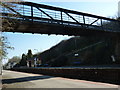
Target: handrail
(63, 10)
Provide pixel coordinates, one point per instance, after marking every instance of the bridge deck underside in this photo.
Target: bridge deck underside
(45, 28)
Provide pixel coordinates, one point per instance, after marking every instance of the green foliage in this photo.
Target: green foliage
(23, 60)
(12, 11)
(24, 57)
(29, 54)
(7, 24)
(14, 59)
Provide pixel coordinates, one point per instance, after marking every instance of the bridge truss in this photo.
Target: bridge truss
(38, 18)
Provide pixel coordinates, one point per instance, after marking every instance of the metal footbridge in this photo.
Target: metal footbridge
(28, 17)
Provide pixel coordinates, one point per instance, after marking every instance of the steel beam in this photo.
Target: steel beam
(63, 10)
(94, 21)
(72, 17)
(45, 13)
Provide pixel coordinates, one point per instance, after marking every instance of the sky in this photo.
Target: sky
(38, 43)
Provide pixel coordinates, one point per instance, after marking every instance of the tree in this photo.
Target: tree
(15, 59)
(4, 45)
(23, 60)
(13, 62)
(29, 54)
(7, 24)
(10, 10)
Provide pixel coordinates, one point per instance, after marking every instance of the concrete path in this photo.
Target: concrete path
(12, 79)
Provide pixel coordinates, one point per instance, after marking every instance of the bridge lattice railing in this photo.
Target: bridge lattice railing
(32, 12)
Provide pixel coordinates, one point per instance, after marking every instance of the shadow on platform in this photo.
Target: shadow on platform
(24, 79)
